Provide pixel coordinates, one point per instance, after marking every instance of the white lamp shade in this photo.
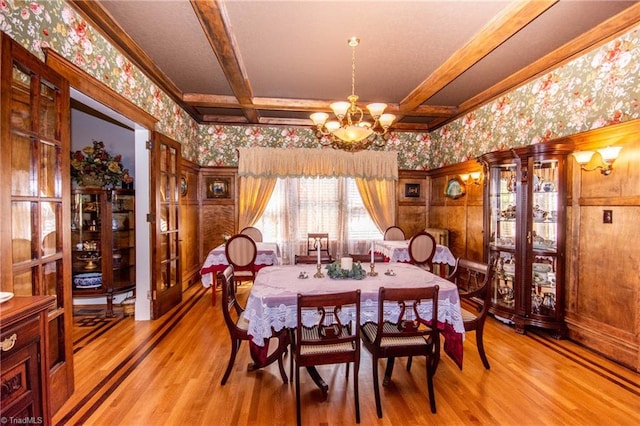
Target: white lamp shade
(464, 177)
(340, 108)
(386, 120)
(583, 157)
(475, 176)
(376, 109)
(610, 153)
(319, 118)
(353, 133)
(332, 125)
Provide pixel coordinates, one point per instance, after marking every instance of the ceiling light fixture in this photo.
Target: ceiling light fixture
(350, 131)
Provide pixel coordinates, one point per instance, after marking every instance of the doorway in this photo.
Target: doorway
(91, 120)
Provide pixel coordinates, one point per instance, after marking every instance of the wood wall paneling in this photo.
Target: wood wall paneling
(603, 292)
(190, 225)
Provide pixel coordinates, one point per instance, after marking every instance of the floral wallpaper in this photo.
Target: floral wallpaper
(595, 90)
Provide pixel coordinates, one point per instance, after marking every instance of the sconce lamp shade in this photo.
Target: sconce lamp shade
(583, 157)
(610, 153)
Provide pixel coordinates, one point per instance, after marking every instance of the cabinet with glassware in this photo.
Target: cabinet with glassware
(525, 222)
(103, 243)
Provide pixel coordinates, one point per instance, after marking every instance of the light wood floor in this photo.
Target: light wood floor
(168, 372)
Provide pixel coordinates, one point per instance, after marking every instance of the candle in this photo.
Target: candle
(372, 258)
(346, 263)
(318, 247)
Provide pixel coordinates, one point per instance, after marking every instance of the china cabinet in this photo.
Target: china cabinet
(524, 229)
(103, 243)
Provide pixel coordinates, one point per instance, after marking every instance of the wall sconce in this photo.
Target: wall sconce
(607, 156)
(471, 178)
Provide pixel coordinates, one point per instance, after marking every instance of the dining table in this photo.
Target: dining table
(272, 302)
(398, 251)
(216, 261)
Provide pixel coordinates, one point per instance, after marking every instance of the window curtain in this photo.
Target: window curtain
(375, 172)
(379, 198)
(308, 162)
(255, 193)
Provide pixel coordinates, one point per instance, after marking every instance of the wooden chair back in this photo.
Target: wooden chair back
(328, 332)
(406, 327)
(394, 233)
(422, 248)
(318, 241)
(253, 232)
(241, 252)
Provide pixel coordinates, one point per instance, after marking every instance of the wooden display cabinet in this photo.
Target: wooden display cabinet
(103, 243)
(525, 212)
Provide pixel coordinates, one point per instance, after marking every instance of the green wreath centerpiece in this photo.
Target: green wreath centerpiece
(337, 273)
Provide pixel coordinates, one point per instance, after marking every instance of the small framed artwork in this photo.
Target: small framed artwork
(412, 190)
(218, 187)
(455, 188)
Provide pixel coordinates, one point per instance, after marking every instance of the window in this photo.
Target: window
(299, 206)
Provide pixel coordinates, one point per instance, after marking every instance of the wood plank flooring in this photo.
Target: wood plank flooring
(168, 372)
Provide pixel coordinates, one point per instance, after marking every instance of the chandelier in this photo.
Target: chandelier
(351, 132)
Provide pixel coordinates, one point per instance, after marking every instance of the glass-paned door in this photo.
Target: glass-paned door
(166, 280)
(34, 194)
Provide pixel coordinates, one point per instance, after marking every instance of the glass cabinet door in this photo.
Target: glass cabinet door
(87, 236)
(503, 233)
(123, 252)
(543, 236)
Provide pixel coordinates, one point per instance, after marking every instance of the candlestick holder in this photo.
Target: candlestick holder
(373, 272)
(319, 273)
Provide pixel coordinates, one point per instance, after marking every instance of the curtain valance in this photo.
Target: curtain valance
(308, 162)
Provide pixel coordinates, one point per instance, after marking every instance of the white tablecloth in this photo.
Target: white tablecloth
(398, 251)
(272, 302)
(268, 254)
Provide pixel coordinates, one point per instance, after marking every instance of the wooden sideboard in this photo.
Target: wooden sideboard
(23, 355)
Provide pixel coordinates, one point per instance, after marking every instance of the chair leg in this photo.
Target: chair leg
(409, 361)
(480, 345)
(430, 373)
(298, 414)
(356, 394)
(376, 388)
(232, 358)
(388, 371)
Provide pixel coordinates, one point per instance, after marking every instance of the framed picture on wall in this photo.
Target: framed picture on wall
(218, 187)
(412, 190)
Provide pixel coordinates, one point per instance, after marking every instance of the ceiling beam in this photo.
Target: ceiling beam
(512, 19)
(597, 36)
(215, 23)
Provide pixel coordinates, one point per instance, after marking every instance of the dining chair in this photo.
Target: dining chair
(328, 332)
(253, 232)
(241, 252)
(318, 241)
(311, 260)
(402, 331)
(422, 247)
(394, 233)
(238, 324)
(473, 280)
